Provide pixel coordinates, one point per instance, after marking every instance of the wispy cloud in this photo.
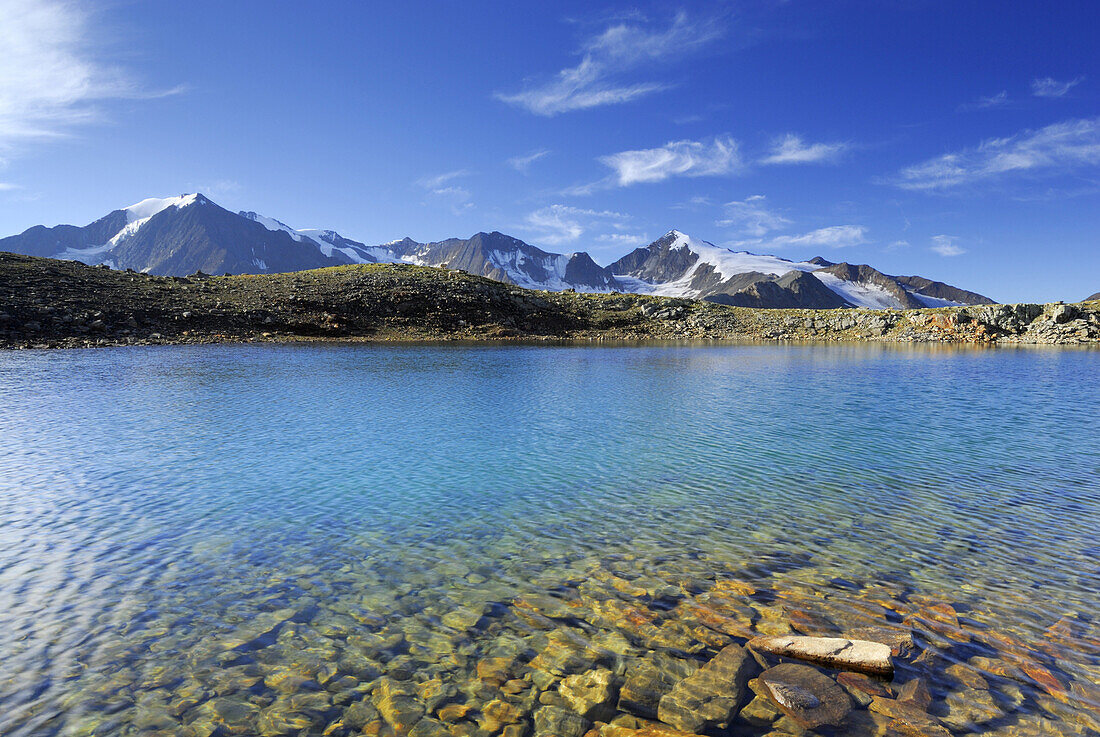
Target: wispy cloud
(984, 103)
(438, 180)
(750, 216)
(624, 240)
(457, 198)
(945, 245)
(834, 236)
(556, 225)
(53, 77)
(523, 163)
(1049, 87)
(791, 149)
(715, 157)
(609, 57)
(1056, 149)
(8, 186)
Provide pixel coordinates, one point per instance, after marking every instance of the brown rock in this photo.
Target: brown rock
(554, 720)
(862, 688)
(453, 712)
(496, 714)
(650, 679)
(916, 692)
(806, 695)
(907, 718)
(709, 698)
(967, 676)
(592, 694)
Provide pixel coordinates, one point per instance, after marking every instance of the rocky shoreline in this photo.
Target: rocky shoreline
(46, 303)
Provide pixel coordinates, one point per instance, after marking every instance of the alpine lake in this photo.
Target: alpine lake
(526, 541)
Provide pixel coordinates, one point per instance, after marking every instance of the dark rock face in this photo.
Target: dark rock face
(806, 695)
(793, 290)
(939, 290)
(1093, 298)
(206, 237)
(510, 260)
(710, 697)
(864, 274)
(43, 241)
(657, 262)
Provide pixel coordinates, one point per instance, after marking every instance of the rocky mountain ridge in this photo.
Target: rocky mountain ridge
(46, 303)
(180, 235)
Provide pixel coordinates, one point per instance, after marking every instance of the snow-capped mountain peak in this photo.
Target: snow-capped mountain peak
(149, 207)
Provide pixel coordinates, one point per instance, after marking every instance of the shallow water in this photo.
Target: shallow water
(248, 539)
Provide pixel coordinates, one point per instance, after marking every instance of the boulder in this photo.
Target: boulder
(709, 698)
(806, 695)
(862, 656)
(592, 694)
(554, 720)
(650, 679)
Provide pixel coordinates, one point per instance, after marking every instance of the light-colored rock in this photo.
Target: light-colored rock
(862, 656)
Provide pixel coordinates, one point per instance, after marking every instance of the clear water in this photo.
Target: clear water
(182, 527)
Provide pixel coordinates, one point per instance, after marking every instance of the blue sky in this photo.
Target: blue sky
(959, 141)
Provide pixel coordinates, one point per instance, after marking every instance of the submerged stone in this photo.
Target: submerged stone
(708, 698)
(647, 680)
(806, 695)
(554, 720)
(592, 694)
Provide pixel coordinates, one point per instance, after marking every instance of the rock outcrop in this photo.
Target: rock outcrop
(862, 656)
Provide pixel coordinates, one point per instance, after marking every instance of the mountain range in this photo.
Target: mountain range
(181, 235)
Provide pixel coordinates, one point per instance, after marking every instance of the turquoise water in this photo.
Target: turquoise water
(180, 526)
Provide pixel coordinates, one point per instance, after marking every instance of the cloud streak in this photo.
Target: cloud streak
(1049, 87)
(714, 157)
(834, 236)
(598, 79)
(791, 149)
(457, 198)
(51, 79)
(522, 164)
(751, 217)
(1056, 149)
(557, 225)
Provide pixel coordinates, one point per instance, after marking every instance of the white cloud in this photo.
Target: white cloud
(1048, 87)
(834, 236)
(791, 149)
(944, 245)
(715, 157)
(620, 49)
(556, 225)
(624, 240)
(984, 103)
(523, 163)
(751, 217)
(438, 180)
(1058, 148)
(51, 75)
(8, 186)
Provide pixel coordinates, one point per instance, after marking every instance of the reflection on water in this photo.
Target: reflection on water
(365, 540)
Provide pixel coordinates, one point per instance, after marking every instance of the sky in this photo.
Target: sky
(958, 141)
